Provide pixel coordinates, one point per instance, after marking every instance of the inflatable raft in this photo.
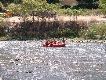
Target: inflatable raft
(54, 44)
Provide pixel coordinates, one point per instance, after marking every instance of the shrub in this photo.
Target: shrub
(1, 5)
(28, 6)
(103, 6)
(68, 33)
(14, 8)
(3, 26)
(95, 31)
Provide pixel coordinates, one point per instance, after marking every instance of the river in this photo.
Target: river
(28, 60)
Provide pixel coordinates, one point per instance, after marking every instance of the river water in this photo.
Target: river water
(28, 60)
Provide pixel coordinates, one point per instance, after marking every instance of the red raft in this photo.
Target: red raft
(54, 44)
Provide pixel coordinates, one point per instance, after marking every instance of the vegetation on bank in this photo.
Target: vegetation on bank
(95, 31)
(30, 31)
(22, 7)
(26, 7)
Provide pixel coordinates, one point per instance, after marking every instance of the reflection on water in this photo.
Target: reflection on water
(27, 60)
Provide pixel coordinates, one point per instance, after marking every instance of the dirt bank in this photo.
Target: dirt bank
(12, 21)
(59, 18)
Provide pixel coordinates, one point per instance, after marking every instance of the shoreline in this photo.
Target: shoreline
(78, 40)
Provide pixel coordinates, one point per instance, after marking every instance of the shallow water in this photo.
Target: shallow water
(28, 60)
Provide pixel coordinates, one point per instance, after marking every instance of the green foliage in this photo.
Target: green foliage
(89, 1)
(94, 32)
(28, 6)
(17, 1)
(14, 8)
(70, 11)
(68, 33)
(1, 5)
(32, 4)
(2, 27)
(2, 24)
(56, 1)
(103, 6)
(102, 1)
